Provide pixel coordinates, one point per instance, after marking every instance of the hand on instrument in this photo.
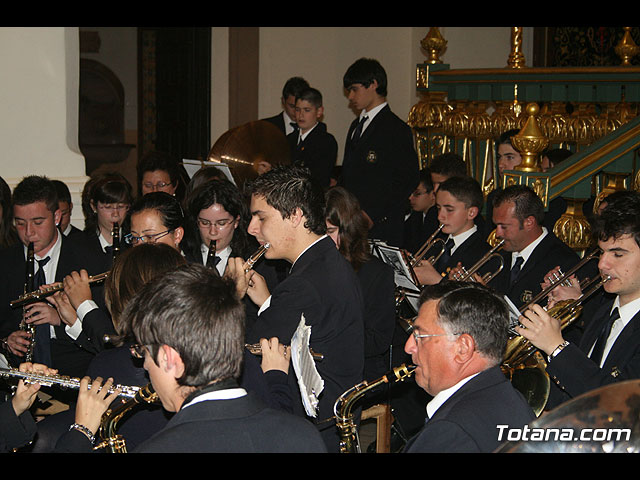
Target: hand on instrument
(263, 167)
(40, 313)
(77, 287)
(18, 342)
(93, 402)
(542, 330)
(67, 313)
(426, 274)
(275, 356)
(561, 292)
(26, 393)
(235, 271)
(457, 272)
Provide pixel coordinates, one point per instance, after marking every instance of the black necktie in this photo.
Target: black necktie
(212, 263)
(294, 125)
(446, 256)
(598, 349)
(42, 347)
(515, 270)
(358, 131)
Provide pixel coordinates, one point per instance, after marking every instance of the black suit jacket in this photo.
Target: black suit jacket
(68, 356)
(575, 373)
(467, 422)
(323, 287)
(317, 152)
(418, 228)
(278, 121)
(468, 253)
(381, 170)
(239, 425)
(550, 253)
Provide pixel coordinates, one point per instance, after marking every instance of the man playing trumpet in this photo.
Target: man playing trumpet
(609, 350)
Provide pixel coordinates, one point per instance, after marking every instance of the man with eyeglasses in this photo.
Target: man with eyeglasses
(457, 344)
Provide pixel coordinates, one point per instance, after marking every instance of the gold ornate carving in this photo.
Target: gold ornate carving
(627, 48)
(540, 185)
(530, 141)
(572, 227)
(516, 57)
(434, 44)
(605, 183)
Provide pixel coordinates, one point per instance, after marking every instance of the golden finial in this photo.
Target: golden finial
(626, 49)
(435, 44)
(530, 141)
(516, 57)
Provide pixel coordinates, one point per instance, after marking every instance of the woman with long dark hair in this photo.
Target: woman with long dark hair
(8, 235)
(348, 228)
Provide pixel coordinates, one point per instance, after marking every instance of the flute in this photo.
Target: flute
(62, 381)
(41, 293)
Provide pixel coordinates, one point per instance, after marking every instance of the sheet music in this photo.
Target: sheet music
(392, 256)
(309, 380)
(192, 166)
(514, 315)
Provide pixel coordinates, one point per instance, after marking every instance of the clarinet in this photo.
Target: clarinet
(28, 287)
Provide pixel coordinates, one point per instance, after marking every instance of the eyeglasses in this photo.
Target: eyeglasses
(131, 239)
(416, 335)
(417, 193)
(113, 206)
(220, 224)
(159, 185)
(137, 350)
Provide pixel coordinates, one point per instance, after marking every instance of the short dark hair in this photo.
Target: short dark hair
(286, 188)
(464, 189)
(293, 86)
(311, 95)
(166, 205)
(365, 71)
(620, 216)
(505, 137)
(156, 160)
(448, 164)
(471, 308)
(35, 188)
(64, 195)
(197, 313)
(424, 178)
(105, 188)
(527, 202)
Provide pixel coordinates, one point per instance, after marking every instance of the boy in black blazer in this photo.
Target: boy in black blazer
(311, 145)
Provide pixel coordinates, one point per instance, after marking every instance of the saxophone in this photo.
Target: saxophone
(28, 287)
(343, 408)
(112, 441)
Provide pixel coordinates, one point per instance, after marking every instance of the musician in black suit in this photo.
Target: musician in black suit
(380, 165)
(422, 222)
(58, 345)
(459, 201)
(609, 350)
(311, 145)
(66, 209)
(530, 251)
(286, 120)
(287, 210)
(457, 344)
(186, 311)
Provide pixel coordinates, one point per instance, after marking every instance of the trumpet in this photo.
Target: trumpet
(251, 261)
(432, 241)
(465, 275)
(562, 279)
(62, 381)
(256, 349)
(42, 293)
